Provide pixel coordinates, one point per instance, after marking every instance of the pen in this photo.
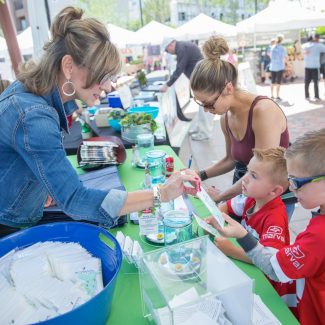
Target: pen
(189, 162)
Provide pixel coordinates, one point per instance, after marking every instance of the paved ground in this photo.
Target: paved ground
(302, 116)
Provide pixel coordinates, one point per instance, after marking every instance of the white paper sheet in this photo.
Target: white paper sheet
(211, 205)
(206, 226)
(261, 314)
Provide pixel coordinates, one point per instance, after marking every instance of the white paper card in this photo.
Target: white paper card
(206, 226)
(261, 314)
(211, 205)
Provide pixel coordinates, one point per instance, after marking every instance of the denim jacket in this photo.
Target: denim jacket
(33, 163)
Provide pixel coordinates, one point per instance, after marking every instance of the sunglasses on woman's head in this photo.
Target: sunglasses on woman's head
(108, 77)
(297, 182)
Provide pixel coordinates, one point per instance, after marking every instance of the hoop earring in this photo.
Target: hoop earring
(68, 82)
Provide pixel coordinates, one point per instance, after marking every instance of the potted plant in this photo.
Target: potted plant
(137, 123)
(114, 118)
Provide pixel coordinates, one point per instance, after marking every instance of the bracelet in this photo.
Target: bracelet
(156, 196)
(203, 175)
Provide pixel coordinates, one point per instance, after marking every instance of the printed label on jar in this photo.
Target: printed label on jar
(148, 222)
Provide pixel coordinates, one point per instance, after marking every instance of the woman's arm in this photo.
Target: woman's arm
(269, 122)
(174, 187)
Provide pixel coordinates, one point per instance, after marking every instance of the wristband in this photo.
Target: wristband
(156, 196)
(203, 175)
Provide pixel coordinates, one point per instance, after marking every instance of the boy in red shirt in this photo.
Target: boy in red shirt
(262, 210)
(304, 260)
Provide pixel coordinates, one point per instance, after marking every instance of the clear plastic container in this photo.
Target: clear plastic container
(177, 227)
(173, 292)
(145, 143)
(157, 166)
(130, 133)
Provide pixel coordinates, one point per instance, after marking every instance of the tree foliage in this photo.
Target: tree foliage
(158, 10)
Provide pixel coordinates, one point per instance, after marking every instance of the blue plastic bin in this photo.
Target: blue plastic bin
(114, 99)
(96, 241)
(152, 110)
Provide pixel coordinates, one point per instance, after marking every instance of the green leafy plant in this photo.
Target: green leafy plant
(139, 119)
(116, 114)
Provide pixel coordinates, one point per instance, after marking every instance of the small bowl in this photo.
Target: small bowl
(115, 124)
(152, 110)
(92, 110)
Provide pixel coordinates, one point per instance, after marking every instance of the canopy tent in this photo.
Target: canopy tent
(121, 36)
(153, 33)
(203, 26)
(3, 44)
(281, 15)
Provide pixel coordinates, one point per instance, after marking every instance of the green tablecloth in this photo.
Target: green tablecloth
(127, 306)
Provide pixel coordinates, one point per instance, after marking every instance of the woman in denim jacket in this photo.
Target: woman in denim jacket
(79, 62)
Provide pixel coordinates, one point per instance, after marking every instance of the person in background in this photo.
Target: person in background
(260, 208)
(277, 66)
(303, 260)
(312, 51)
(188, 54)
(247, 121)
(79, 62)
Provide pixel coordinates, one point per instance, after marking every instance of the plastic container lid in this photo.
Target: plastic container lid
(153, 154)
(176, 219)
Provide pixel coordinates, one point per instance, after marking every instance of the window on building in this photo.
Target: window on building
(27, 57)
(22, 23)
(18, 4)
(2, 60)
(181, 16)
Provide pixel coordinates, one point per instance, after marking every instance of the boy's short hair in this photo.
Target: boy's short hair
(276, 164)
(309, 152)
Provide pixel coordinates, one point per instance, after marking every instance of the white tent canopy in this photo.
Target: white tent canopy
(121, 36)
(3, 44)
(281, 15)
(25, 40)
(153, 33)
(203, 26)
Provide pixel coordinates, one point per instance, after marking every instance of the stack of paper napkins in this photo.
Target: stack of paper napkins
(46, 280)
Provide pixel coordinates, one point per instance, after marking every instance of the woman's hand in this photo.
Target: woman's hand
(49, 202)
(178, 183)
(233, 229)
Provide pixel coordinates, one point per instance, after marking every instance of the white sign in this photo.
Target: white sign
(182, 89)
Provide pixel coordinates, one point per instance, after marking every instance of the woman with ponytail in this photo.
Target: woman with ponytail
(248, 121)
(79, 62)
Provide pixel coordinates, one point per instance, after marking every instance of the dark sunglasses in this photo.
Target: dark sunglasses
(296, 182)
(210, 105)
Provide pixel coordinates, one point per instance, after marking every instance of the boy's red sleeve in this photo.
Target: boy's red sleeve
(236, 205)
(275, 230)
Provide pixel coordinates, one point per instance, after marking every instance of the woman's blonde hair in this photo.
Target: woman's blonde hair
(4, 84)
(85, 39)
(212, 73)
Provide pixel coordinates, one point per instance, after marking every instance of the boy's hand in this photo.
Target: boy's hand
(224, 245)
(211, 221)
(233, 229)
(214, 193)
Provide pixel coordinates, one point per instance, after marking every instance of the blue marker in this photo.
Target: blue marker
(190, 162)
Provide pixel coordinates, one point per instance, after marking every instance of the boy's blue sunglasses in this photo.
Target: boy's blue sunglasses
(296, 182)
